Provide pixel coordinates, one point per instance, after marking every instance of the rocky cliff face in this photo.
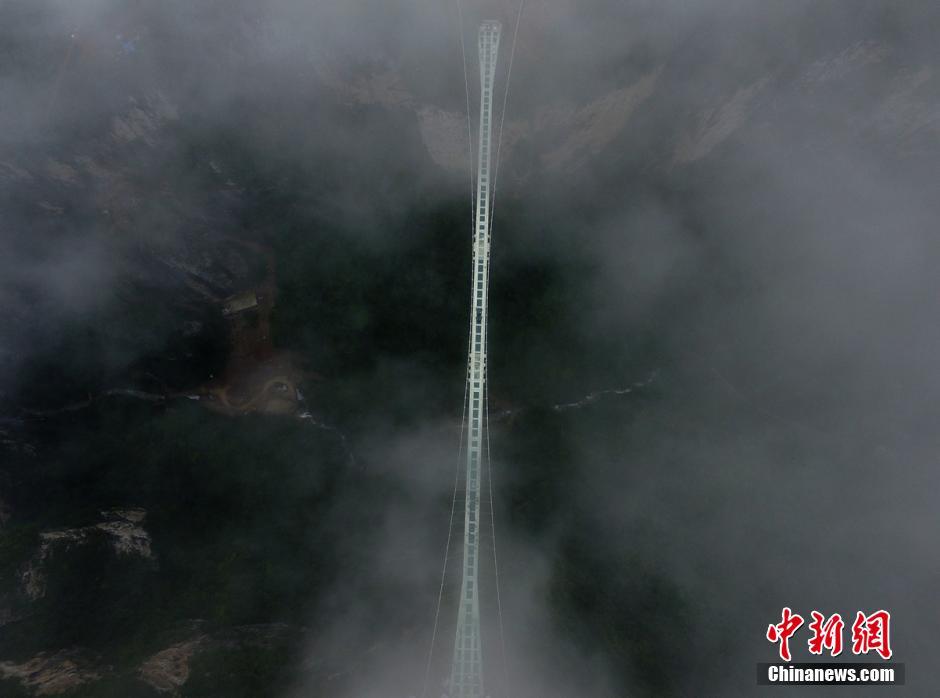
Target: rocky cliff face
(122, 529)
(54, 674)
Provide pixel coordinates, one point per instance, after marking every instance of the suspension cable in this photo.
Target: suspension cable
(450, 528)
(466, 84)
(486, 386)
(463, 416)
(502, 116)
(489, 480)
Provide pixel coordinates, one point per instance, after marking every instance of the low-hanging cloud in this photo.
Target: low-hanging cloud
(755, 222)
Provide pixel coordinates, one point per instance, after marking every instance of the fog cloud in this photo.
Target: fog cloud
(738, 196)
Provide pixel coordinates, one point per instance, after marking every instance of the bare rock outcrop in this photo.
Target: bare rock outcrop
(55, 673)
(167, 670)
(123, 527)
